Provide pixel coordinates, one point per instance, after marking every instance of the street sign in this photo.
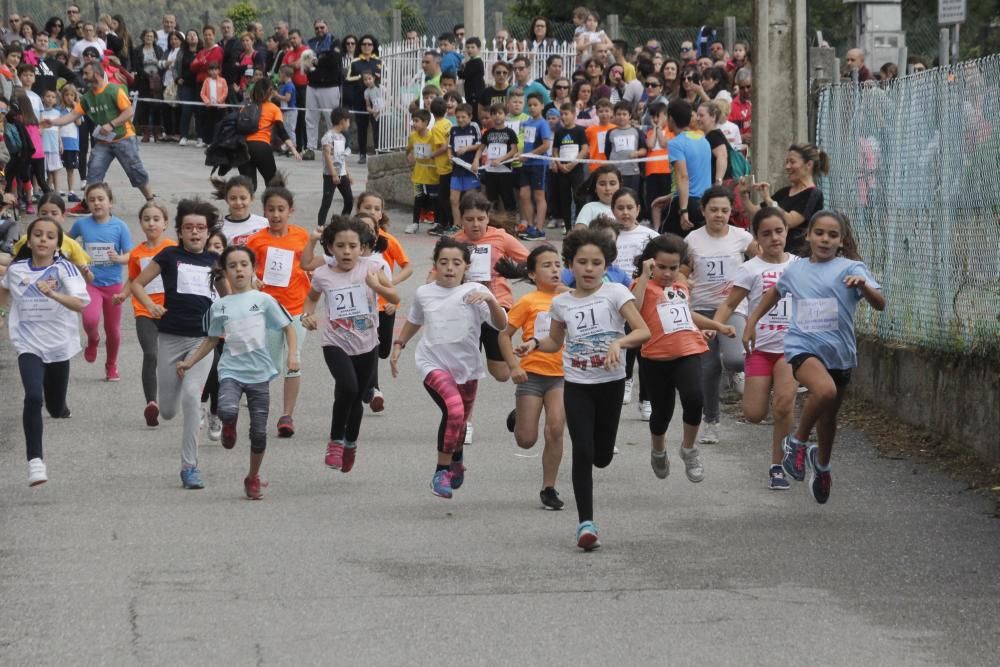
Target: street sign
(951, 12)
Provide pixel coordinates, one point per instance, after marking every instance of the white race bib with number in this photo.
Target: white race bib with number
(624, 143)
(496, 151)
(781, 314)
(514, 125)
(154, 286)
(278, 267)
(349, 301)
(37, 309)
(246, 334)
(602, 139)
(530, 132)
(481, 269)
(589, 319)
(99, 252)
(817, 314)
(715, 269)
(569, 151)
(422, 151)
(464, 142)
(675, 317)
(193, 279)
(543, 324)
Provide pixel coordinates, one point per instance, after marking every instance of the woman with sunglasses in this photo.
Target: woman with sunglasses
(691, 87)
(365, 61)
(57, 38)
(654, 94)
(560, 94)
(497, 93)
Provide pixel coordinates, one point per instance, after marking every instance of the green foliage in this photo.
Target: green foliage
(242, 13)
(413, 17)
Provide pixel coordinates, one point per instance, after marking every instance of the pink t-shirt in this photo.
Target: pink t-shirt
(351, 308)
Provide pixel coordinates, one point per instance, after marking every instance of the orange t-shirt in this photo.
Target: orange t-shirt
(657, 166)
(394, 256)
(135, 266)
(531, 315)
(270, 115)
(670, 310)
(278, 266)
(493, 245)
(595, 138)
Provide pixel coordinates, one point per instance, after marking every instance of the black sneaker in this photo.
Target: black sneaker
(438, 230)
(550, 499)
(511, 420)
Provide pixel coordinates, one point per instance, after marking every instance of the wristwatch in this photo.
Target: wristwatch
(683, 211)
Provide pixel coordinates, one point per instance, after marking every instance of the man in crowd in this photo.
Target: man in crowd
(72, 27)
(88, 38)
(718, 51)
(856, 63)
(49, 69)
(459, 32)
(688, 55)
(281, 29)
(431, 64)
(169, 25)
(12, 33)
(323, 41)
(522, 79)
(231, 50)
(323, 90)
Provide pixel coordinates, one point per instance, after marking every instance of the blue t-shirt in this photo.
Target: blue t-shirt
(613, 275)
(287, 88)
(244, 320)
(822, 313)
(99, 237)
(534, 133)
(450, 62)
(536, 87)
(693, 148)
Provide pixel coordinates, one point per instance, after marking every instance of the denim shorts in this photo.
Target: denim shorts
(538, 385)
(126, 151)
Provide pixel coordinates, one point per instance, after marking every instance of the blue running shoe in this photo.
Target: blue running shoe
(794, 461)
(776, 480)
(441, 484)
(586, 536)
(457, 471)
(191, 478)
(819, 479)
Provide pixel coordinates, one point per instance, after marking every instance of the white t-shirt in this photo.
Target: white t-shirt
(238, 231)
(38, 324)
(630, 244)
(451, 328)
(757, 276)
(82, 44)
(732, 134)
(592, 324)
(593, 210)
(715, 261)
(338, 149)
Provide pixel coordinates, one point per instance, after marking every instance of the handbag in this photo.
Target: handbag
(170, 92)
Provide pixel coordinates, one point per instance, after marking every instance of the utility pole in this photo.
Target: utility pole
(475, 19)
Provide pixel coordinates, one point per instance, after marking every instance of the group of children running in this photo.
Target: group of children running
(224, 310)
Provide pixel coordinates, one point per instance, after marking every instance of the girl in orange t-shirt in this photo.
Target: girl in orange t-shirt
(538, 376)
(671, 359)
(153, 220)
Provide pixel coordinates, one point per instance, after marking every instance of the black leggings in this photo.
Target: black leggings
(663, 378)
(631, 355)
(34, 167)
(592, 413)
(147, 333)
(262, 160)
(211, 391)
(567, 190)
(42, 383)
(352, 377)
(328, 188)
(365, 120)
(386, 327)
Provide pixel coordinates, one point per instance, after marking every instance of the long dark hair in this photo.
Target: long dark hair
(668, 243)
(25, 251)
(849, 245)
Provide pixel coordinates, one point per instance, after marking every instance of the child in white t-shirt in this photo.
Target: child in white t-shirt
(335, 176)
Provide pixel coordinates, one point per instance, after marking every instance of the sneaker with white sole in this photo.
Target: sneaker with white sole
(468, 433)
(820, 479)
(412, 228)
(776, 480)
(709, 433)
(214, 428)
(586, 536)
(628, 392)
(645, 410)
(37, 472)
(693, 468)
(183, 142)
(660, 463)
(554, 224)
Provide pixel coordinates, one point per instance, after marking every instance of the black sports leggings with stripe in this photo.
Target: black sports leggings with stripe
(592, 414)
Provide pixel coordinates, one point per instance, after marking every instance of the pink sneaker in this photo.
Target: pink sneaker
(152, 414)
(29, 209)
(334, 454)
(90, 352)
(229, 434)
(111, 373)
(349, 454)
(251, 485)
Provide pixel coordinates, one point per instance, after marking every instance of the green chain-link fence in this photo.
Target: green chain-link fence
(916, 166)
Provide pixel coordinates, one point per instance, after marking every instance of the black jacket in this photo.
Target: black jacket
(329, 70)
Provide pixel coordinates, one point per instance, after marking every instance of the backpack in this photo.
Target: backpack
(228, 149)
(248, 119)
(739, 165)
(12, 139)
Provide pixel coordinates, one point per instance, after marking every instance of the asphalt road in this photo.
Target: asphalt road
(112, 562)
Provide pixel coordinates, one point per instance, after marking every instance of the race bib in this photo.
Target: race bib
(448, 324)
(99, 252)
(278, 267)
(422, 151)
(817, 314)
(154, 286)
(715, 269)
(37, 309)
(781, 314)
(624, 143)
(589, 319)
(530, 133)
(543, 324)
(569, 151)
(514, 125)
(675, 317)
(349, 301)
(246, 334)
(193, 279)
(496, 151)
(481, 269)
(463, 142)
(602, 139)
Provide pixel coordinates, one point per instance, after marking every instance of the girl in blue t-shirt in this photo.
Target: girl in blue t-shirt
(820, 344)
(107, 240)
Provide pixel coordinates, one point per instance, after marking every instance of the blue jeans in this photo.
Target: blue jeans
(186, 94)
(126, 151)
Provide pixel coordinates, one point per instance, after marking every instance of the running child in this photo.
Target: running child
(244, 317)
(350, 329)
(671, 358)
(452, 313)
(538, 376)
(591, 320)
(53, 207)
(600, 187)
(335, 176)
(464, 144)
(44, 293)
(217, 243)
(820, 345)
(186, 271)
(107, 240)
(765, 365)
(239, 223)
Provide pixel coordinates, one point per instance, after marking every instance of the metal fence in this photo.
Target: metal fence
(916, 166)
(403, 79)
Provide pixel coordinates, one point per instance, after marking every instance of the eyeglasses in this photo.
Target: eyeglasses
(652, 84)
(367, 43)
(687, 48)
(561, 87)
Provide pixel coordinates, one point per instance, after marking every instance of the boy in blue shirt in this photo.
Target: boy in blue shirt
(531, 177)
(450, 59)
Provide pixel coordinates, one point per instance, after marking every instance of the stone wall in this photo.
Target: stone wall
(389, 175)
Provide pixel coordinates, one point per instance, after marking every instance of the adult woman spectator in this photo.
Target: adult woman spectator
(541, 36)
(27, 32)
(593, 73)
(125, 53)
(888, 72)
(365, 61)
(713, 82)
(107, 29)
(691, 87)
(149, 83)
(560, 93)
(274, 57)
(259, 143)
(800, 199)
(670, 74)
(349, 46)
(249, 60)
(57, 37)
(654, 94)
(497, 93)
(583, 97)
(188, 89)
(708, 119)
(621, 91)
(170, 66)
(553, 70)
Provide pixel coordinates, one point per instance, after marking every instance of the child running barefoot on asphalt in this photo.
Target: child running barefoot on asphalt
(538, 377)
(350, 329)
(820, 345)
(766, 365)
(452, 313)
(186, 271)
(45, 294)
(591, 319)
(245, 368)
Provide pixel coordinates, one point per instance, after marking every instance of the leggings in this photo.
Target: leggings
(721, 350)
(43, 382)
(386, 327)
(631, 355)
(181, 393)
(147, 333)
(663, 378)
(352, 376)
(211, 391)
(262, 160)
(100, 302)
(592, 413)
(258, 400)
(35, 167)
(328, 188)
(365, 121)
(455, 402)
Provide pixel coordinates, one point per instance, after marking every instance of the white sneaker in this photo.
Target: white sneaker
(709, 433)
(37, 473)
(183, 142)
(739, 380)
(692, 464)
(615, 450)
(645, 410)
(554, 223)
(199, 144)
(411, 228)
(628, 393)
(468, 433)
(214, 428)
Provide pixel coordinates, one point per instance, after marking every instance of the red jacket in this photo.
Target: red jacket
(203, 59)
(292, 57)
